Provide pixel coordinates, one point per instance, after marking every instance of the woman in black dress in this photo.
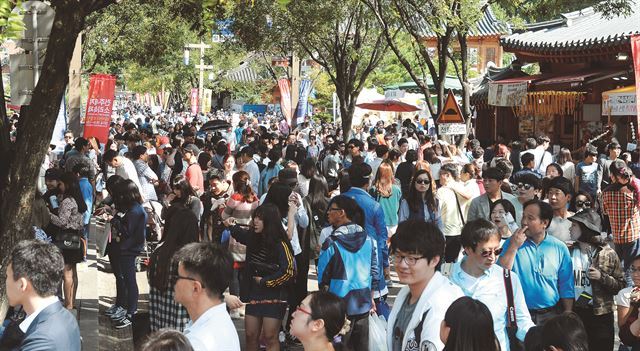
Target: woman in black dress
(270, 268)
(68, 219)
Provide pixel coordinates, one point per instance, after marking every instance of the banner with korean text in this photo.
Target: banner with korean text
(285, 99)
(303, 101)
(99, 104)
(635, 50)
(194, 101)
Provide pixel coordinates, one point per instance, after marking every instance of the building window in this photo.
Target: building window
(490, 55)
(473, 58)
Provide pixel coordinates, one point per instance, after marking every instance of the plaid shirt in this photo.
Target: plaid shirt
(624, 216)
(164, 311)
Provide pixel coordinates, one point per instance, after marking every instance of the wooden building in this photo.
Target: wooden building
(581, 55)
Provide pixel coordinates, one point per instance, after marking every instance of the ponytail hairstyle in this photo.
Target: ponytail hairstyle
(620, 169)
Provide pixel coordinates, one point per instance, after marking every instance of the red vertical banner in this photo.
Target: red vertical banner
(99, 105)
(194, 101)
(635, 50)
(285, 99)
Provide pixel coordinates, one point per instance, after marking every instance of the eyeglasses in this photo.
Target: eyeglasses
(300, 309)
(178, 277)
(409, 260)
(525, 186)
(583, 203)
(423, 181)
(333, 209)
(487, 253)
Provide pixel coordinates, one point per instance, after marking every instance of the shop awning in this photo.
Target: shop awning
(620, 102)
(577, 78)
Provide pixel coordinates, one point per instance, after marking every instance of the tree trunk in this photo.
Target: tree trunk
(35, 132)
(466, 86)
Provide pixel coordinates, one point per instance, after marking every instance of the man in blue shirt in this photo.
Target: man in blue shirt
(480, 278)
(542, 263)
(374, 224)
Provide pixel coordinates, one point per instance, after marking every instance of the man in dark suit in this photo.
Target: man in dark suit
(34, 272)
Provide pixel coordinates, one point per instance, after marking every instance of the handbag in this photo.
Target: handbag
(512, 325)
(69, 240)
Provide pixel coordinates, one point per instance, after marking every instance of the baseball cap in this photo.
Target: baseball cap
(288, 176)
(53, 174)
(359, 174)
(192, 148)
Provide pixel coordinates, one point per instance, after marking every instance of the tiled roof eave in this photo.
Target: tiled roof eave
(564, 47)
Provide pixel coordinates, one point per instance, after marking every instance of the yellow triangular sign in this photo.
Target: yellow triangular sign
(450, 113)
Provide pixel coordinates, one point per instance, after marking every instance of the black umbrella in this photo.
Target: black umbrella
(216, 124)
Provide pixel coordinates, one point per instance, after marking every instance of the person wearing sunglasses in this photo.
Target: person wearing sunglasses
(318, 319)
(417, 249)
(528, 187)
(419, 202)
(479, 277)
(542, 262)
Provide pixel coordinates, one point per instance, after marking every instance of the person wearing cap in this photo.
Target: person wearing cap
(559, 195)
(374, 222)
(588, 172)
(614, 150)
(193, 173)
(598, 278)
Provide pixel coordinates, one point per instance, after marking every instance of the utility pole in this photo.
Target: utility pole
(202, 67)
(295, 87)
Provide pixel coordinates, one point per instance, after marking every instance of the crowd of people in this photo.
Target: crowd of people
(496, 246)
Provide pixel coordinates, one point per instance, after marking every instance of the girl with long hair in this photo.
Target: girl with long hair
(420, 201)
(566, 162)
(318, 320)
(387, 194)
(184, 195)
(269, 271)
(69, 218)
(316, 204)
(240, 205)
(181, 228)
(128, 228)
(468, 326)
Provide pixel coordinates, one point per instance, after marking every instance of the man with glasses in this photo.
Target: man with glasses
(348, 266)
(528, 187)
(492, 181)
(204, 272)
(542, 263)
(480, 278)
(414, 323)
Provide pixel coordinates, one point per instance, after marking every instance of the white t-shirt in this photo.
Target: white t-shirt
(581, 262)
(559, 228)
(213, 331)
(623, 298)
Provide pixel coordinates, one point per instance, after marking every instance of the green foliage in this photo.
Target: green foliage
(324, 89)
(11, 24)
(325, 117)
(520, 11)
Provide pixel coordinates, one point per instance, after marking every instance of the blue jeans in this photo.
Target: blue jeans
(124, 269)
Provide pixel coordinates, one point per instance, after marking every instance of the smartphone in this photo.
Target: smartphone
(54, 201)
(513, 226)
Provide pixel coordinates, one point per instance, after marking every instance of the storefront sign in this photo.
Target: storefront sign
(507, 94)
(393, 94)
(452, 128)
(619, 103)
(99, 104)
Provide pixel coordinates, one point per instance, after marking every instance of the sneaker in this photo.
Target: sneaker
(122, 322)
(121, 313)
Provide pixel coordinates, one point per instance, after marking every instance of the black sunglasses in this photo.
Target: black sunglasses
(487, 253)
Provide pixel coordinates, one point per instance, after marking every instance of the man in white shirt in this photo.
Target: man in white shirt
(250, 166)
(450, 210)
(204, 273)
(34, 272)
(542, 157)
(559, 194)
(480, 278)
(123, 166)
(417, 249)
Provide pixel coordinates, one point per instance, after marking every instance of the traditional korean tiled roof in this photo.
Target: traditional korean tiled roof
(575, 32)
(487, 26)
